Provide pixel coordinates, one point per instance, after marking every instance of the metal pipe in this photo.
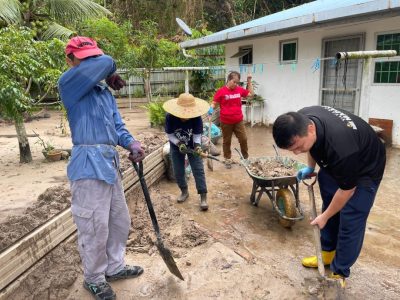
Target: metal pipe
(365, 54)
(187, 81)
(185, 54)
(193, 68)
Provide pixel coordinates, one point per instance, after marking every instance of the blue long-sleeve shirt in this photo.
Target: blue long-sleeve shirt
(95, 123)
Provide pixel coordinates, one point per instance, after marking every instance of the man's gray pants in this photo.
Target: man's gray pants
(102, 218)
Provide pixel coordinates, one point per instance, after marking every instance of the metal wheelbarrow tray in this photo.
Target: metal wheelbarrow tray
(283, 191)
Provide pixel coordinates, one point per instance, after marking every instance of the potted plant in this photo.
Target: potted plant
(49, 151)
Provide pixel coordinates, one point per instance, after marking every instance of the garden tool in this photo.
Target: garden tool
(164, 252)
(317, 234)
(278, 156)
(204, 155)
(209, 160)
(330, 285)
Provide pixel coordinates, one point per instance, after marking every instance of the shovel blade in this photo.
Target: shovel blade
(324, 288)
(168, 259)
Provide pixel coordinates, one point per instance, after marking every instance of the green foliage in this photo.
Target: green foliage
(24, 63)
(138, 93)
(156, 112)
(163, 12)
(110, 37)
(202, 83)
(219, 84)
(50, 18)
(209, 56)
(47, 146)
(10, 11)
(147, 44)
(256, 97)
(169, 54)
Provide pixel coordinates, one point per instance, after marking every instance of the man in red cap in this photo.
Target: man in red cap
(98, 203)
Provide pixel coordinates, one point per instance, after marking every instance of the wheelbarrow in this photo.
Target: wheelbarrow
(283, 191)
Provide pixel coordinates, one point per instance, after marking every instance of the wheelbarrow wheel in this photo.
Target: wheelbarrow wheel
(287, 205)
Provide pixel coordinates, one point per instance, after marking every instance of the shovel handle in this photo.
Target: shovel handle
(311, 183)
(139, 170)
(316, 231)
(209, 133)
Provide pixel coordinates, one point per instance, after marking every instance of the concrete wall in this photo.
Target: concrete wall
(289, 87)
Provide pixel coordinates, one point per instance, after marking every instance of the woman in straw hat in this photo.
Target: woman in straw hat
(184, 127)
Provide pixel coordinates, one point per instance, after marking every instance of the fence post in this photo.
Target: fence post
(187, 82)
(129, 92)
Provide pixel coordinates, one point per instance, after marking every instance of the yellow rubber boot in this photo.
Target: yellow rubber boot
(312, 262)
(339, 279)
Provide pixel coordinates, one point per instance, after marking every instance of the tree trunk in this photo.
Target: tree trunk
(147, 85)
(25, 155)
(230, 12)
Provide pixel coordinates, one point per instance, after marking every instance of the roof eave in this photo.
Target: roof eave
(376, 9)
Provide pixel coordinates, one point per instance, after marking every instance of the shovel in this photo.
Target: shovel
(209, 160)
(317, 234)
(278, 156)
(204, 155)
(164, 252)
(331, 288)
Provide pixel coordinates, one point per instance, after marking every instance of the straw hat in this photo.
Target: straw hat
(186, 106)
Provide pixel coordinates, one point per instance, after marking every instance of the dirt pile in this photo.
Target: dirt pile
(150, 142)
(51, 202)
(53, 275)
(57, 198)
(56, 273)
(179, 234)
(271, 168)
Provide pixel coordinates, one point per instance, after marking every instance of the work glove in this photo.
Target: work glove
(182, 148)
(137, 152)
(210, 111)
(197, 150)
(115, 82)
(304, 173)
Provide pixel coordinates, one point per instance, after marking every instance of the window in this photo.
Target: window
(288, 51)
(245, 55)
(388, 71)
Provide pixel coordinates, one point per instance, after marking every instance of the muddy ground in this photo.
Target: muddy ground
(235, 250)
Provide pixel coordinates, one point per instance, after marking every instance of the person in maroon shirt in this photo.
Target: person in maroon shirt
(229, 98)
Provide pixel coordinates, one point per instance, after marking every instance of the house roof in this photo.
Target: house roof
(306, 15)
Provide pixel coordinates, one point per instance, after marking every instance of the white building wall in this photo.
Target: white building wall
(289, 87)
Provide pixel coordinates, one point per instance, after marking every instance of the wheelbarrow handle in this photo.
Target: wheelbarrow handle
(240, 154)
(139, 170)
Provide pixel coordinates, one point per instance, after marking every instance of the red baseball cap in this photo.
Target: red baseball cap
(82, 47)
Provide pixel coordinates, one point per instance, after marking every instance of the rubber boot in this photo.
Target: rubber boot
(203, 201)
(339, 279)
(183, 196)
(312, 262)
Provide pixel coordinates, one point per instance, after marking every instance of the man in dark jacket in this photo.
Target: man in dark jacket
(351, 159)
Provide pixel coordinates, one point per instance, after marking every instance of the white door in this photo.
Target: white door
(341, 82)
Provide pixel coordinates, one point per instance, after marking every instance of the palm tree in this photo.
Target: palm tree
(49, 18)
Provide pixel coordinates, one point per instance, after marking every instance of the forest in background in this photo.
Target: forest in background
(215, 15)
